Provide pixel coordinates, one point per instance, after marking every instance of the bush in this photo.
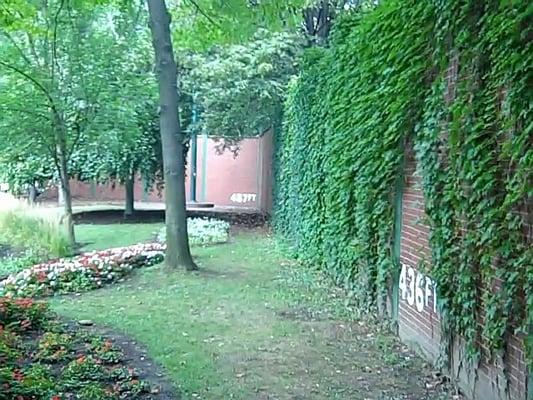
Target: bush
(87, 271)
(21, 227)
(203, 231)
(22, 314)
(43, 359)
(17, 262)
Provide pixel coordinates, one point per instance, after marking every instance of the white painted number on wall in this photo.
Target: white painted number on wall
(417, 289)
(243, 197)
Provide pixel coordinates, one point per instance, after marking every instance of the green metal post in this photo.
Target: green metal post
(194, 155)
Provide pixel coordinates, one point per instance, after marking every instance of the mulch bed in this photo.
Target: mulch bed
(43, 358)
(249, 219)
(136, 356)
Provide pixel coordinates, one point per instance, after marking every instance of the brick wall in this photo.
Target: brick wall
(418, 318)
(241, 179)
(419, 323)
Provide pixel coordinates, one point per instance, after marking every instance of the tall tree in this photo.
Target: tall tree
(172, 139)
(202, 23)
(52, 88)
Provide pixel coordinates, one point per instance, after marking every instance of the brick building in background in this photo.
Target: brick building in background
(242, 179)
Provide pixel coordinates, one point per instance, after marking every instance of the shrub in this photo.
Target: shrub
(15, 263)
(83, 369)
(53, 347)
(22, 314)
(46, 236)
(203, 231)
(85, 272)
(84, 366)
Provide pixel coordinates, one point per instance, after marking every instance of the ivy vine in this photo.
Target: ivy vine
(455, 79)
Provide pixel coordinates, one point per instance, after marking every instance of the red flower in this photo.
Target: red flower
(25, 324)
(3, 304)
(24, 303)
(41, 276)
(18, 375)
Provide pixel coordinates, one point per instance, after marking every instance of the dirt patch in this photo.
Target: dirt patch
(336, 360)
(302, 314)
(137, 357)
(116, 216)
(219, 274)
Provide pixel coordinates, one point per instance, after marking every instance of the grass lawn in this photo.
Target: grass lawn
(249, 325)
(101, 237)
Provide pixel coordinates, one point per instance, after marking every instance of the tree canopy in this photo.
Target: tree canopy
(78, 83)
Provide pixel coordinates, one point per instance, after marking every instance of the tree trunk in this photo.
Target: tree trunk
(129, 208)
(60, 197)
(178, 251)
(65, 185)
(32, 194)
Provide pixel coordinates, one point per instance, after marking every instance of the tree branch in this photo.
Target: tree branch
(25, 111)
(201, 11)
(31, 43)
(35, 82)
(12, 40)
(54, 43)
(45, 142)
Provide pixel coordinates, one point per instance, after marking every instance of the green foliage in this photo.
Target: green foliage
(203, 231)
(238, 90)
(59, 101)
(84, 369)
(43, 359)
(21, 315)
(384, 83)
(15, 262)
(199, 24)
(43, 237)
(346, 117)
(476, 181)
(22, 168)
(53, 347)
(129, 141)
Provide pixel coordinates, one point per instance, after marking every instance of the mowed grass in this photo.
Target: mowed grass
(249, 325)
(101, 237)
(192, 322)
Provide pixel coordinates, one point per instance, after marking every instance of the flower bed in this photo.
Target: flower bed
(41, 359)
(203, 231)
(87, 271)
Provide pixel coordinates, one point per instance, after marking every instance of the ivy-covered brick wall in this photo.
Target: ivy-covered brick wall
(452, 79)
(419, 321)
